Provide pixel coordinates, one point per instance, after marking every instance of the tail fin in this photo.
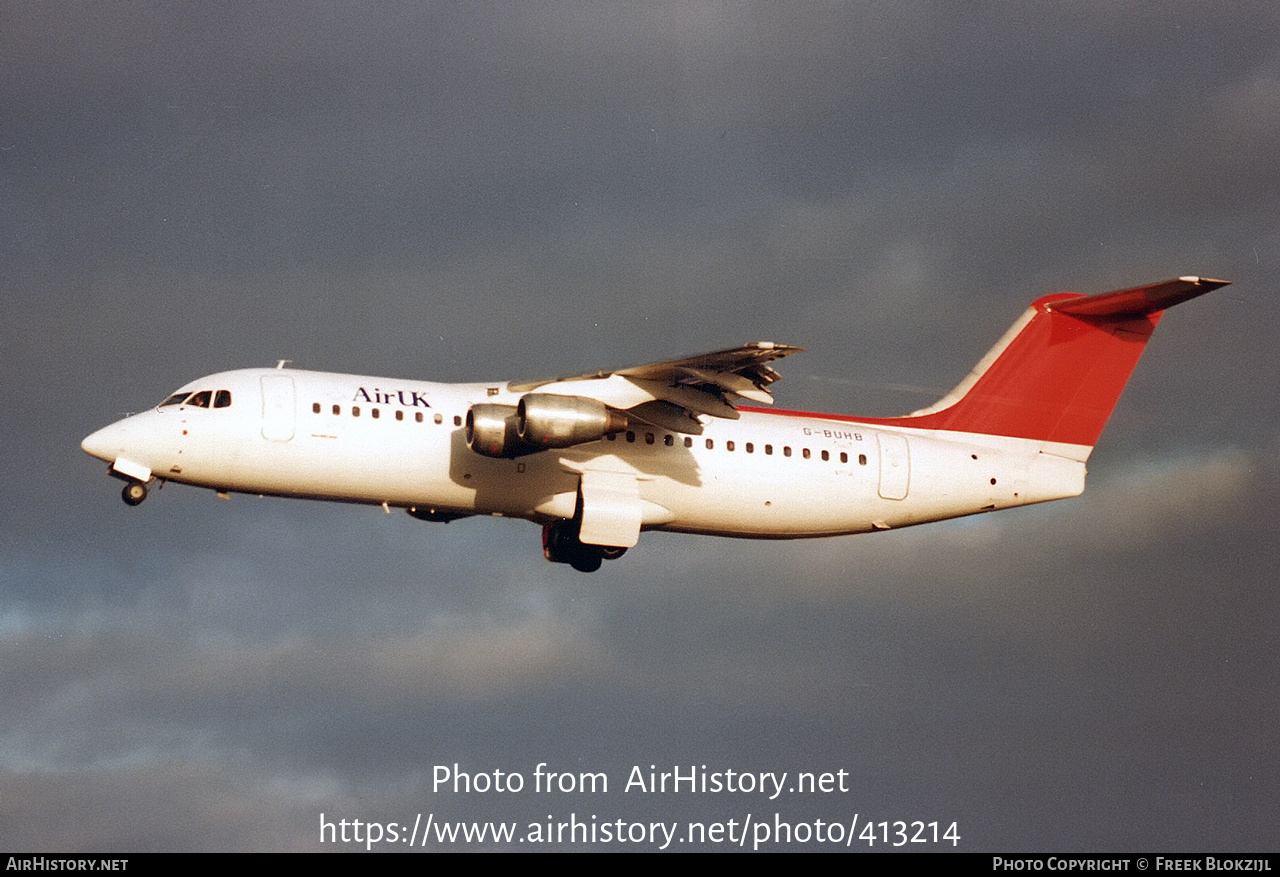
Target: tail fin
(1058, 372)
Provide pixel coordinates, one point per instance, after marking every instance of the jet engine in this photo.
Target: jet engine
(538, 422)
(545, 420)
(491, 431)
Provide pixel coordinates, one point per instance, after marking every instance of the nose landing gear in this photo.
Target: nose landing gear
(134, 493)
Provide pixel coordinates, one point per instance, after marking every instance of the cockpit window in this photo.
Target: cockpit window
(201, 399)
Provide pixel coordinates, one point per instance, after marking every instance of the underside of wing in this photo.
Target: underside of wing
(674, 394)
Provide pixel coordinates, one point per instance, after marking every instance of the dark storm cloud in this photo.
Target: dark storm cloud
(218, 140)
(468, 192)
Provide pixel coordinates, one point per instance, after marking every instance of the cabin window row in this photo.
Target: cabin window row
(376, 413)
(730, 445)
(649, 438)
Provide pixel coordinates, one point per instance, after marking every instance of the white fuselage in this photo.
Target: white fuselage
(401, 443)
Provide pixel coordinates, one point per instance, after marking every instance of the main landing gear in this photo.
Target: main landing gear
(134, 493)
(560, 544)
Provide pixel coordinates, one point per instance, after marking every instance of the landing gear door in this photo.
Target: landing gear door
(895, 465)
(277, 407)
(609, 507)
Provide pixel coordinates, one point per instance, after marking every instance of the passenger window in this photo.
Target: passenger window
(631, 436)
(457, 421)
(337, 409)
(355, 410)
(223, 400)
(399, 415)
(768, 449)
(805, 453)
(786, 450)
(648, 438)
(728, 446)
(613, 436)
(844, 458)
(688, 442)
(668, 440)
(751, 448)
(315, 407)
(375, 413)
(710, 444)
(825, 456)
(862, 459)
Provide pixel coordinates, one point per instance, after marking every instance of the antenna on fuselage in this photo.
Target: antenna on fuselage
(282, 363)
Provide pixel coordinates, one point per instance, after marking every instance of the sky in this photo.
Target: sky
(492, 191)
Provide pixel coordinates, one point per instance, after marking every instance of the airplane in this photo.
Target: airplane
(598, 458)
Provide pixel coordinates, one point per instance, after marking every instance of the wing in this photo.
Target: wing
(674, 393)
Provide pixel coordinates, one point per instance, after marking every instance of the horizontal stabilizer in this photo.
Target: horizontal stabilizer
(1140, 300)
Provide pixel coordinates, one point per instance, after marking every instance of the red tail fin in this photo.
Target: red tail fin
(1057, 373)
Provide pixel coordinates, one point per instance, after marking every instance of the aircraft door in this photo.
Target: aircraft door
(278, 411)
(895, 465)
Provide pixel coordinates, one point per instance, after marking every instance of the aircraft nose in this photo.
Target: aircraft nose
(103, 444)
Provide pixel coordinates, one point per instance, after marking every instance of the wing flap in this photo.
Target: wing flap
(673, 393)
(666, 415)
(690, 398)
(730, 382)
